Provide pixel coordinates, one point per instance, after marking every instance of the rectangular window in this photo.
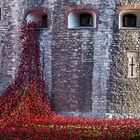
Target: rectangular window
(129, 20)
(132, 64)
(86, 20)
(0, 15)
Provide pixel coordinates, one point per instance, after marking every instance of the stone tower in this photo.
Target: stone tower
(89, 53)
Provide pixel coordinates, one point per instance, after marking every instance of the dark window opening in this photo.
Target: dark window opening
(132, 66)
(38, 16)
(86, 20)
(0, 14)
(129, 20)
(44, 21)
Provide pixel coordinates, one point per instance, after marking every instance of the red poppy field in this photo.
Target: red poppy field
(26, 112)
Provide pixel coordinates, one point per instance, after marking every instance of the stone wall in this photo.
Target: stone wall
(123, 95)
(13, 15)
(123, 91)
(7, 40)
(81, 60)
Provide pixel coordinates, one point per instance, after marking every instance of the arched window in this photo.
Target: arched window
(86, 20)
(81, 19)
(38, 16)
(129, 20)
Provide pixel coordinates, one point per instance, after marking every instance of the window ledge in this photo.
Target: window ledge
(43, 28)
(132, 77)
(129, 28)
(79, 28)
